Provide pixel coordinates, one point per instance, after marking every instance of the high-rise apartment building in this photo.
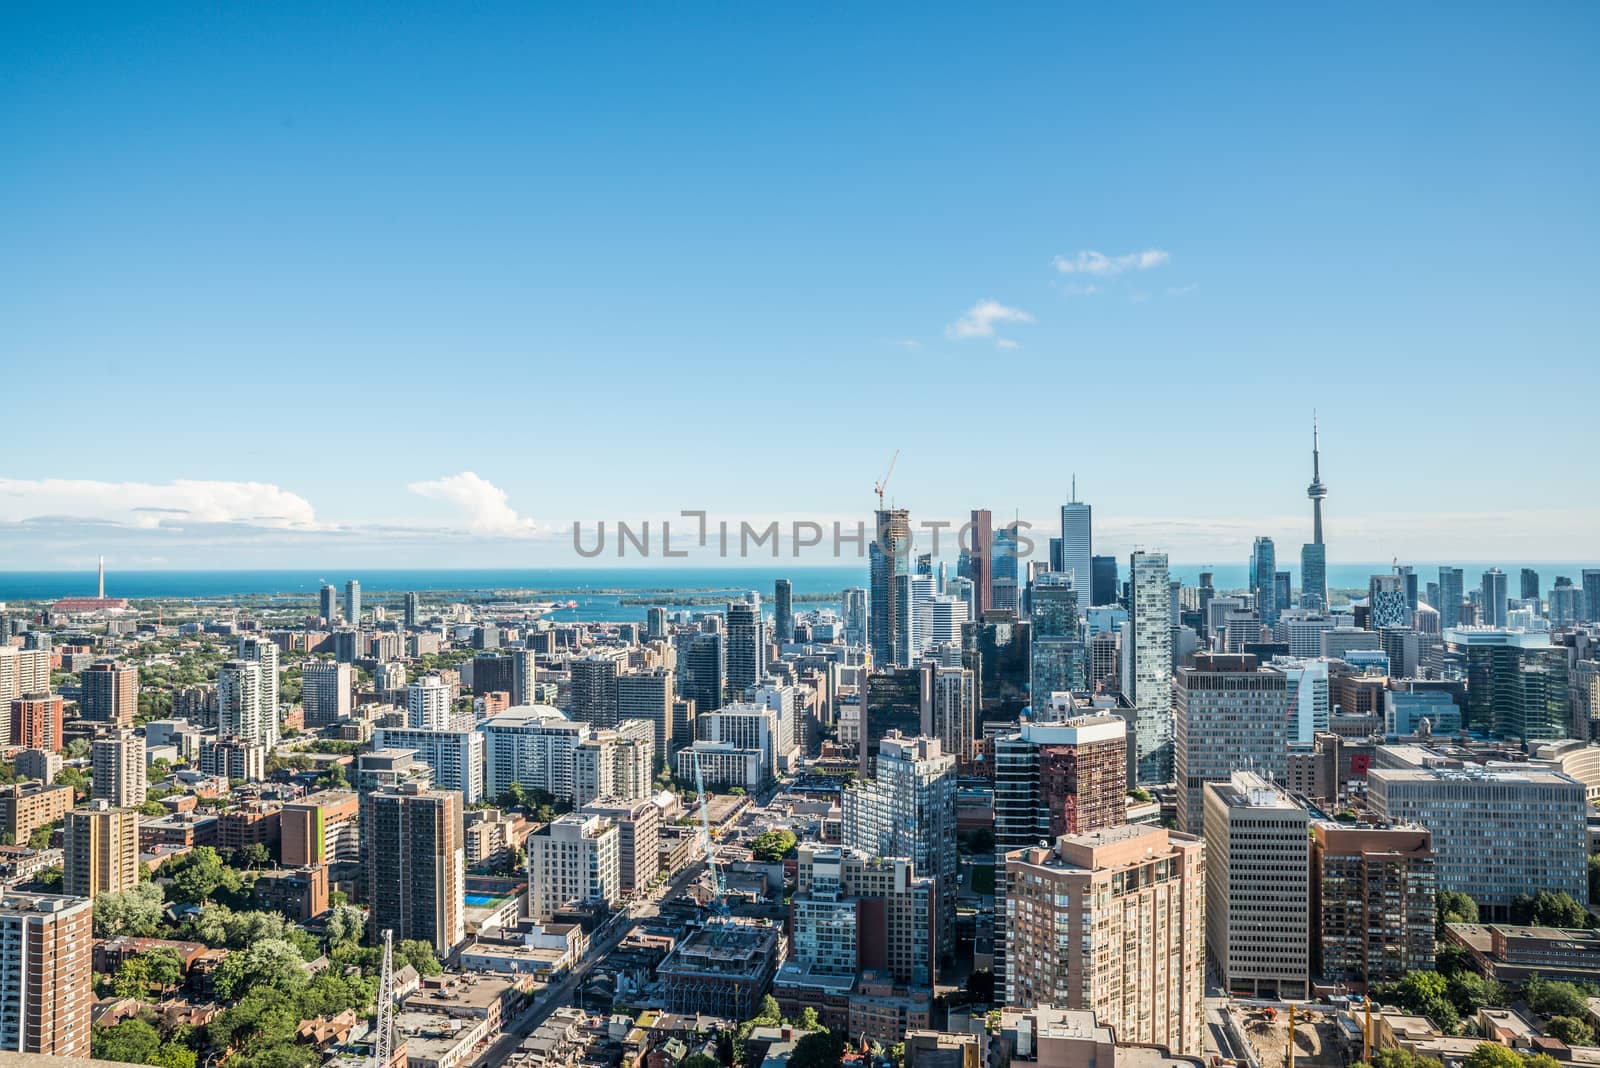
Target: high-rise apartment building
(532, 745)
(321, 828)
(1530, 585)
(854, 910)
(233, 759)
(594, 690)
(1497, 832)
(428, 704)
(1386, 602)
(747, 646)
(328, 604)
(352, 603)
(326, 689)
(576, 858)
(1591, 595)
(412, 610)
(22, 672)
(119, 769)
(110, 693)
(651, 695)
(908, 809)
(1131, 944)
(1264, 579)
(241, 707)
(617, 764)
(888, 563)
(1373, 892)
(1231, 715)
(102, 850)
(1059, 660)
(1150, 626)
(36, 721)
(638, 824)
(783, 611)
(1258, 888)
(259, 649)
(415, 864)
(950, 708)
(46, 974)
(1451, 593)
(702, 671)
(456, 757)
(980, 552)
(854, 613)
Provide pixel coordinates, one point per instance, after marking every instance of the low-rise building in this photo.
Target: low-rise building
(27, 806)
(725, 969)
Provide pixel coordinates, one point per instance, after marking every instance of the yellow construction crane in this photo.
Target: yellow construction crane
(878, 486)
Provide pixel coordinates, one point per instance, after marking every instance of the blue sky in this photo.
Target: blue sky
(275, 282)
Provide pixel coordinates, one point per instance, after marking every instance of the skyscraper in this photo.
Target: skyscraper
(1451, 593)
(328, 604)
(908, 809)
(1003, 583)
(1494, 597)
(260, 650)
(413, 609)
(352, 603)
(888, 561)
(1314, 556)
(594, 690)
(1103, 584)
(1150, 627)
(428, 704)
(1530, 585)
(325, 691)
(1231, 715)
(1059, 659)
(1264, 580)
(783, 611)
(655, 623)
(415, 864)
(110, 693)
(854, 610)
(1591, 595)
(1077, 546)
(1386, 602)
(46, 974)
(240, 711)
(747, 644)
(980, 548)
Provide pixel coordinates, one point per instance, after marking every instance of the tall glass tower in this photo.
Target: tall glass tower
(1077, 546)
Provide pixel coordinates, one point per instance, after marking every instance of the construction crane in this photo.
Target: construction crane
(878, 486)
(719, 902)
(383, 1046)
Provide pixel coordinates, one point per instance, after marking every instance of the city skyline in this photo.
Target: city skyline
(312, 258)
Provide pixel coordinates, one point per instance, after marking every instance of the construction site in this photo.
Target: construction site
(1319, 1040)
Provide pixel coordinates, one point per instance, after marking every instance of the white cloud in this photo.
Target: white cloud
(1006, 343)
(1178, 291)
(981, 317)
(1088, 261)
(483, 504)
(147, 505)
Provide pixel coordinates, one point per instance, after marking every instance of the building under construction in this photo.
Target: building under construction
(724, 969)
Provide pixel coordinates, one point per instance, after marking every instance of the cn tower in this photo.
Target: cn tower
(1317, 490)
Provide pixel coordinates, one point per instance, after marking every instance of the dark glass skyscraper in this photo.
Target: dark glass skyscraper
(1103, 587)
(1530, 584)
(783, 609)
(889, 558)
(1451, 593)
(1264, 580)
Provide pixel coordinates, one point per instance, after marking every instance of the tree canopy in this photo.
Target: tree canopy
(1547, 909)
(772, 845)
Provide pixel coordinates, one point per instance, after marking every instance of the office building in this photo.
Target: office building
(783, 611)
(328, 604)
(854, 910)
(908, 809)
(326, 689)
(352, 603)
(1264, 580)
(1386, 602)
(1493, 598)
(1077, 546)
(1530, 585)
(747, 646)
(1314, 556)
(1103, 583)
(980, 551)
(576, 858)
(46, 974)
(748, 726)
(415, 865)
(1307, 696)
(456, 757)
(1134, 954)
(1591, 595)
(1231, 715)
(1258, 888)
(1517, 685)
(119, 769)
(1451, 593)
(1150, 651)
(102, 850)
(110, 693)
(1497, 831)
(892, 702)
(999, 650)
(1373, 891)
(36, 721)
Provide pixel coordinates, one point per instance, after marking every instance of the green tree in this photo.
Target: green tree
(345, 924)
(273, 963)
(1571, 1030)
(1401, 1058)
(419, 955)
(134, 912)
(809, 1020)
(700, 1060)
(1452, 906)
(254, 855)
(1425, 994)
(199, 875)
(772, 845)
(1468, 992)
(1554, 998)
(819, 1049)
(1547, 909)
(40, 838)
(134, 1040)
(1493, 1055)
